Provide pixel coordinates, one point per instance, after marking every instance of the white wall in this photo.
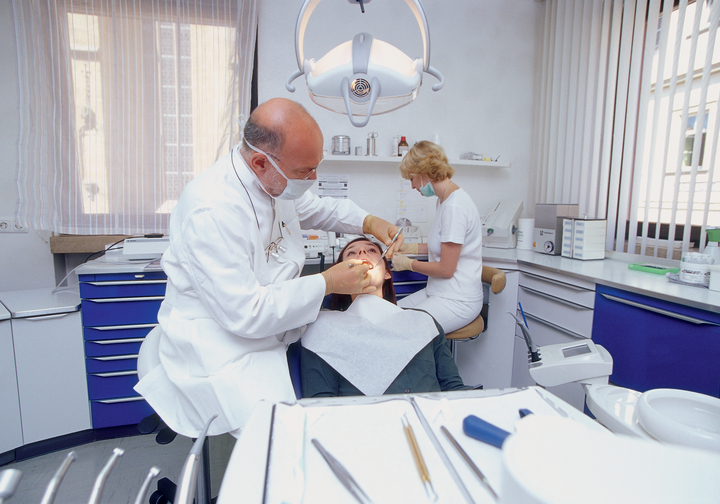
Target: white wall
(486, 49)
(487, 52)
(25, 259)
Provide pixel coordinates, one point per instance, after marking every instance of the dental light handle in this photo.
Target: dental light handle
(54, 484)
(479, 429)
(99, 485)
(9, 481)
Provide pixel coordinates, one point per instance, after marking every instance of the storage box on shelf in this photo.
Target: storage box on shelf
(558, 309)
(118, 310)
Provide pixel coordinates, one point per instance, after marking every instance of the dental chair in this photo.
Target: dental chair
(195, 478)
(496, 279)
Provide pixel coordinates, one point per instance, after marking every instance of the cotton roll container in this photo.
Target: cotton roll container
(525, 233)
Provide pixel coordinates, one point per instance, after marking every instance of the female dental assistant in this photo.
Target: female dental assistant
(234, 297)
(454, 292)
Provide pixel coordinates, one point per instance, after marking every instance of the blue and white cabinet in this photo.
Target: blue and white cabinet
(119, 308)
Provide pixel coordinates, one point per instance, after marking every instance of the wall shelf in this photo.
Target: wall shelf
(396, 161)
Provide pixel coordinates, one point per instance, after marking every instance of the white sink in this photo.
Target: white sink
(681, 417)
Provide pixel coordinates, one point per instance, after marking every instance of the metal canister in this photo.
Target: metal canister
(371, 144)
(341, 145)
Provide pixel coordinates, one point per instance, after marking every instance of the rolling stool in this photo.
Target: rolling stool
(497, 280)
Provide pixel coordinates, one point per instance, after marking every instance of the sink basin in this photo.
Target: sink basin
(681, 417)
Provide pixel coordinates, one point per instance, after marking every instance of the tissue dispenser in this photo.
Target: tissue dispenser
(501, 224)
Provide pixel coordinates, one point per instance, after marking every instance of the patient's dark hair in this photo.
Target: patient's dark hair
(342, 302)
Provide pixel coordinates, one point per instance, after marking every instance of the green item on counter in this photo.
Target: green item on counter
(713, 234)
(653, 268)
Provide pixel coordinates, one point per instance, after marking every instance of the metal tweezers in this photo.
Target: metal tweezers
(343, 475)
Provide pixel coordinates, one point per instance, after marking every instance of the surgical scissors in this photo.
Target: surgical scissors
(343, 475)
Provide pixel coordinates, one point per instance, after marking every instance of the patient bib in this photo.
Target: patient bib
(371, 342)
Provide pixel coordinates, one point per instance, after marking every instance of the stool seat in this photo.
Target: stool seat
(471, 330)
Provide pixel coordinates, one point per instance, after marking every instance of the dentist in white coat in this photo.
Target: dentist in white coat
(235, 298)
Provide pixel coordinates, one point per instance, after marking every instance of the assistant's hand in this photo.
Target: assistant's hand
(345, 279)
(401, 262)
(409, 248)
(383, 231)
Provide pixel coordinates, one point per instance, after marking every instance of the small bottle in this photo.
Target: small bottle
(394, 147)
(403, 147)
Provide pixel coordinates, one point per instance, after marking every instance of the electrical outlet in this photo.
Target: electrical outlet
(8, 225)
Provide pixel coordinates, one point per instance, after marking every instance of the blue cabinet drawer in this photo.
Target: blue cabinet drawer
(116, 412)
(120, 311)
(120, 288)
(409, 288)
(122, 277)
(408, 276)
(105, 348)
(108, 364)
(112, 385)
(117, 332)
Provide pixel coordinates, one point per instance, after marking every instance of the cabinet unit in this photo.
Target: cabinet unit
(52, 391)
(118, 311)
(658, 344)
(10, 427)
(558, 309)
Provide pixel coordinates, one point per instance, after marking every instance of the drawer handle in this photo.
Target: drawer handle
(555, 299)
(120, 400)
(555, 326)
(127, 282)
(114, 357)
(114, 374)
(557, 282)
(46, 317)
(113, 341)
(114, 327)
(660, 311)
(116, 300)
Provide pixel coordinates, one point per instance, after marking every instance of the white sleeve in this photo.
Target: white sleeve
(218, 253)
(330, 214)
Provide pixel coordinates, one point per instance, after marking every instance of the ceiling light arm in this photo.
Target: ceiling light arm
(374, 93)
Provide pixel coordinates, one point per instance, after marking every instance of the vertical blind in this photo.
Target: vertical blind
(122, 103)
(628, 123)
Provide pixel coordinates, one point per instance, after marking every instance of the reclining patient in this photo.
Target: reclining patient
(366, 345)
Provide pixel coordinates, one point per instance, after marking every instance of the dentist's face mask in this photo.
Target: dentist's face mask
(295, 188)
(427, 190)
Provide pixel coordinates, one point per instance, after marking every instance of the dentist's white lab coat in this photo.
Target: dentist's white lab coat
(229, 312)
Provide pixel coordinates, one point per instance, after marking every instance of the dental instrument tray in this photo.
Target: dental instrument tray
(653, 268)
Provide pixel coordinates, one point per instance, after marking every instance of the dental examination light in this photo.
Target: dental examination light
(363, 76)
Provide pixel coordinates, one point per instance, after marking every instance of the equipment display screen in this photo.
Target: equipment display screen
(576, 350)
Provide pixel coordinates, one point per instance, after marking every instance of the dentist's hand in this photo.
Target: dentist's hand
(401, 262)
(384, 232)
(348, 277)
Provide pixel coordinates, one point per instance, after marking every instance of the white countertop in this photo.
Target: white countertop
(612, 271)
(38, 302)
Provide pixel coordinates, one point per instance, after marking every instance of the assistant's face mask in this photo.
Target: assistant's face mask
(427, 190)
(295, 188)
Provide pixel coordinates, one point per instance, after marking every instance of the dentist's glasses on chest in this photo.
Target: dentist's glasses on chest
(275, 249)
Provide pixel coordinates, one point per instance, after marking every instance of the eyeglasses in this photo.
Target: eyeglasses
(309, 173)
(275, 249)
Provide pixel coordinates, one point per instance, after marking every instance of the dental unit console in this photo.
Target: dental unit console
(667, 415)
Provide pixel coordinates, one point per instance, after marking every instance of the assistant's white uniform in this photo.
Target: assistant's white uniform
(454, 301)
(229, 312)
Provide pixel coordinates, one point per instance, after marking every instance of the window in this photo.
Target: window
(127, 102)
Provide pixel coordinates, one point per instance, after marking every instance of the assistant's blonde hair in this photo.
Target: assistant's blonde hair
(426, 158)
